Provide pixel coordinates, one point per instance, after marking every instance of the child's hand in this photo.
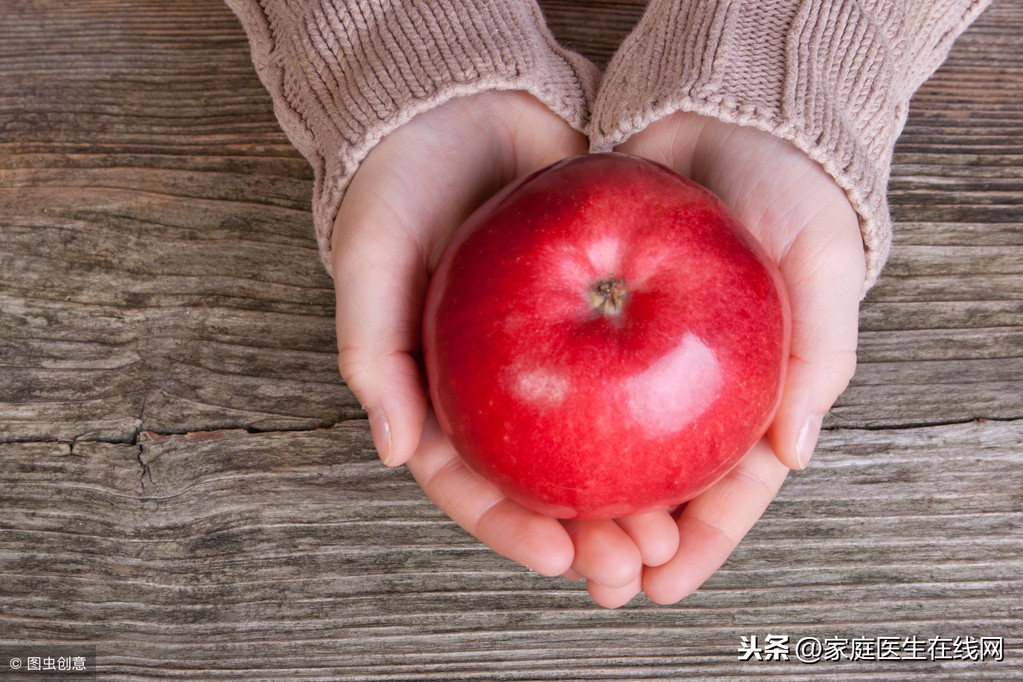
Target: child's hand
(411, 192)
(806, 224)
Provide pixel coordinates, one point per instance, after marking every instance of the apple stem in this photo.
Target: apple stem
(608, 296)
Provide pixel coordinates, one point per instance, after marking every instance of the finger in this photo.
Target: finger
(714, 522)
(614, 597)
(604, 553)
(824, 271)
(654, 533)
(378, 317)
(536, 541)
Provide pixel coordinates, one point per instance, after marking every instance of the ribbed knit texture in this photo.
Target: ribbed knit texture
(832, 76)
(344, 73)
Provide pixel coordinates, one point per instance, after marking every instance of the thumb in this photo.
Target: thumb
(378, 333)
(824, 270)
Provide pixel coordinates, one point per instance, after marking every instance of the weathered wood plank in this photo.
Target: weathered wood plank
(948, 311)
(159, 272)
(298, 550)
(139, 229)
(595, 30)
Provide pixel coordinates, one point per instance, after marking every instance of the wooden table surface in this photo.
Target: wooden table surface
(188, 489)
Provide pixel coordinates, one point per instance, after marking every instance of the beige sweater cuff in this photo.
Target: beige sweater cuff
(832, 76)
(343, 74)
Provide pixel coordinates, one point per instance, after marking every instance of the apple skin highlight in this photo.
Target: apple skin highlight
(604, 338)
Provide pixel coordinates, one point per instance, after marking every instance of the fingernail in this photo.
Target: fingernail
(808, 439)
(381, 430)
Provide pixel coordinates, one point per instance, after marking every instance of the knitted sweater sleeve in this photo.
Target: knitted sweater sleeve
(344, 73)
(834, 77)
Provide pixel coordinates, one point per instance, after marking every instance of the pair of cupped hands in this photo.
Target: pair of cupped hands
(422, 180)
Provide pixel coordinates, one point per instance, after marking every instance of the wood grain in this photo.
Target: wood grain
(200, 553)
(188, 486)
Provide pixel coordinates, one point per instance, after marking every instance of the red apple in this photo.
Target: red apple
(603, 338)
